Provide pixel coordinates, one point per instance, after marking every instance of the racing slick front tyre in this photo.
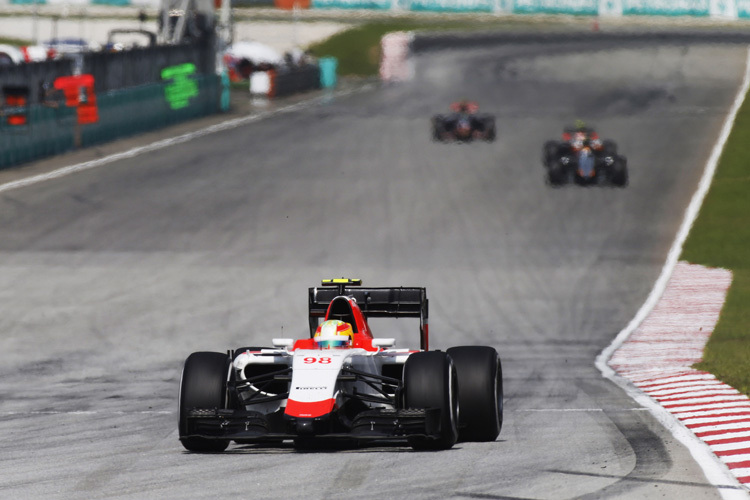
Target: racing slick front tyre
(438, 128)
(480, 392)
(618, 172)
(557, 174)
(490, 132)
(203, 385)
(549, 152)
(430, 382)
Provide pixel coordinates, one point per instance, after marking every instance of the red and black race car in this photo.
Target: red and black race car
(463, 124)
(581, 156)
(342, 384)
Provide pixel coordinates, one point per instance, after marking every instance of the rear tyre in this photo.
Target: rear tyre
(609, 148)
(203, 385)
(430, 382)
(480, 392)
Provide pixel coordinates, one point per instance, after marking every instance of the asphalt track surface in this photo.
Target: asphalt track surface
(110, 277)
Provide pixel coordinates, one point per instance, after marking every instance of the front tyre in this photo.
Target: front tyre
(480, 392)
(550, 152)
(203, 385)
(430, 382)
(557, 174)
(618, 172)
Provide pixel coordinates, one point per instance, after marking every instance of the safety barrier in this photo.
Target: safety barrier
(287, 81)
(110, 70)
(59, 125)
(722, 9)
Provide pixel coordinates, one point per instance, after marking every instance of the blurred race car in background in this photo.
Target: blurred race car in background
(341, 384)
(584, 158)
(463, 124)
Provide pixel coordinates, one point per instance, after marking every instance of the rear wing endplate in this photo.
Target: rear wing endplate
(381, 302)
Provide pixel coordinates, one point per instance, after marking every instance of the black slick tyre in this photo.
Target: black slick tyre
(430, 383)
(618, 173)
(557, 174)
(203, 385)
(480, 392)
(549, 152)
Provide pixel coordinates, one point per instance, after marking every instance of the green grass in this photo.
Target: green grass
(720, 237)
(358, 48)
(17, 42)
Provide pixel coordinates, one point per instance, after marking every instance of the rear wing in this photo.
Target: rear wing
(381, 302)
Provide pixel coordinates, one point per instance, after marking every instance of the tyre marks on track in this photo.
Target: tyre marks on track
(658, 356)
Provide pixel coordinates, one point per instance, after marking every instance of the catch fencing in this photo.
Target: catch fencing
(718, 9)
(51, 107)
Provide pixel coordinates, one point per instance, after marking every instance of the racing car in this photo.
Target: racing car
(584, 158)
(463, 124)
(340, 384)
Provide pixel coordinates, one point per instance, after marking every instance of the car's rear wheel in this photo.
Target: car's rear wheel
(609, 148)
(203, 385)
(430, 382)
(480, 392)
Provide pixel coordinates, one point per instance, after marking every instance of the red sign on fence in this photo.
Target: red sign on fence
(79, 94)
(16, 105)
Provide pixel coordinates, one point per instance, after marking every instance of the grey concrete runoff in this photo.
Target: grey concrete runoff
(110, 277)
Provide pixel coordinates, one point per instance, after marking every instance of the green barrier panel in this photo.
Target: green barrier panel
(181, 87)
(48, 132)
(699, 8)
(28, 2)
(572, 7)
(743, 9)
(328, 66)
(352, 4)
(131, 111)
(51, 130)
(225, 91)
(119, 3)
(453, 5)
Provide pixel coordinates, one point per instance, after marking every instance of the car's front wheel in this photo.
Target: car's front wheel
(430, 383)
(480, 392)
(203, 385)
(557, 174)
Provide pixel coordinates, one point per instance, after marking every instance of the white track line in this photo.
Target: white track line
(716, 471)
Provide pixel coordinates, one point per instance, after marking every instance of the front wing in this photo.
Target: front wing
(250, 426)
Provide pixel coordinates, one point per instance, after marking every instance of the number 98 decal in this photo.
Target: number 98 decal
(322, 360)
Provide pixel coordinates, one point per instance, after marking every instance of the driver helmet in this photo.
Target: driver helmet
(580, 125)
(333, 334)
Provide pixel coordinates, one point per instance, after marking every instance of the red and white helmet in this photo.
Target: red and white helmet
(333, 334)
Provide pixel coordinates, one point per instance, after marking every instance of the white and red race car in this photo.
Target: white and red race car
(349, 388)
